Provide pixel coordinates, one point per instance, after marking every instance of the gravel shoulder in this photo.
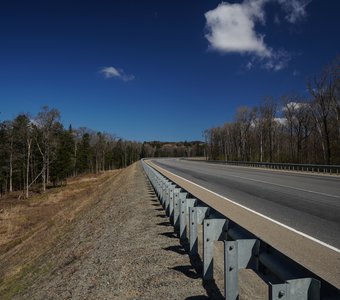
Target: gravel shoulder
(121, 247)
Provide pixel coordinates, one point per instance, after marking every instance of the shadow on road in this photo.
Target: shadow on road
(172, 235)
(188, 271)
(177, 249)
(161, 216)
(167, 224)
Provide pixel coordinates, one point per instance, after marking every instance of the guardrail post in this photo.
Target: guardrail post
(163, 191)
(296, 289)
(155, 183)
(239, 254)
(159, 186)
(167, 197)
(196, 216)
(173, 201)
(177, 209)
(213, 230)
(185, 203)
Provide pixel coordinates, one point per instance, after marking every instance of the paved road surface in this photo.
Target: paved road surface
(306, 202)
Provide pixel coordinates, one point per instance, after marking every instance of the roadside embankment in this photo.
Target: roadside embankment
(120, 246)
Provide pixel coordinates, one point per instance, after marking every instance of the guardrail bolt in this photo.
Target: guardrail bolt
(281, 294)
(208, 224)
(208, 240)
(231, 248)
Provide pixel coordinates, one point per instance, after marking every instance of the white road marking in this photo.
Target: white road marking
(259, 214)
(280, 185)
(285, 186)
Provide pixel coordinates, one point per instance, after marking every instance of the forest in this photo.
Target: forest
(292, 129)
(38, 151)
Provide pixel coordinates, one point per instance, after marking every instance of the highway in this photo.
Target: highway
(308, 203)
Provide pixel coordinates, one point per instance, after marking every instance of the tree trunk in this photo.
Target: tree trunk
(11, 169)
(328, 144)
(225, 152)
(261, 147)
(322, 141)
(48, 166)
(44, 176)
(28, 165)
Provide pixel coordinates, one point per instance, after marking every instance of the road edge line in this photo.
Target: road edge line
(254, 212)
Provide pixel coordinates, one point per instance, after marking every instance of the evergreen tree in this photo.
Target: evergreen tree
(84, 154)
(62, 166)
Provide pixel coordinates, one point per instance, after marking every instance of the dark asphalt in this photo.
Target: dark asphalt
(306, 202)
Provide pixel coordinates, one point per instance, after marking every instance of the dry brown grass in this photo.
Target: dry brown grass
(29, 228)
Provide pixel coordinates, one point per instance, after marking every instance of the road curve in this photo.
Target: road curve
(296, 213)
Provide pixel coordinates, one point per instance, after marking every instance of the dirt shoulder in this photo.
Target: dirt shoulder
(121, 246)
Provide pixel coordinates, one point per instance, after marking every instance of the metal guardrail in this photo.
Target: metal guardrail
(287, 280)
(330, 169)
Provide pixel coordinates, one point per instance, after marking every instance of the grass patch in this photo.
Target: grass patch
(16, 284)
(30, 228)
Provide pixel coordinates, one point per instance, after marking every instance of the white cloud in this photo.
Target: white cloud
(231, 28)
(295, 73)
(112, 72)
(280, 121)
(278, 61)
(295, 9)
(249, 65)
(295, 106)
(277, 20)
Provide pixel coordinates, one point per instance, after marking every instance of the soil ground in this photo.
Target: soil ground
(108, 238)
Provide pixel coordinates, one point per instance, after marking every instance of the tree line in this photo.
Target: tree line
(292, 129)
(173, 149)
(38, 151)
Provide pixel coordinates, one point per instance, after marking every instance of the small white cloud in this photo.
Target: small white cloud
(277, 20)
(249, 65)
(230, 28)
(291, 106)
(280, 121)
(278, 61)
(295, 106)
(112, 72)
(295, 9)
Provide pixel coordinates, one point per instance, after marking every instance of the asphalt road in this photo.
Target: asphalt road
(306, 202)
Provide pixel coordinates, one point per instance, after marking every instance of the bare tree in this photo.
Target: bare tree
(267, 114)
(47, 122)
(245, 117)
(323, 91)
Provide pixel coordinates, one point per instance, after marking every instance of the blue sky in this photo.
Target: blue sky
(159, 70)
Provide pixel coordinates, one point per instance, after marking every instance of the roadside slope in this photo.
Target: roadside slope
(120, 248)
